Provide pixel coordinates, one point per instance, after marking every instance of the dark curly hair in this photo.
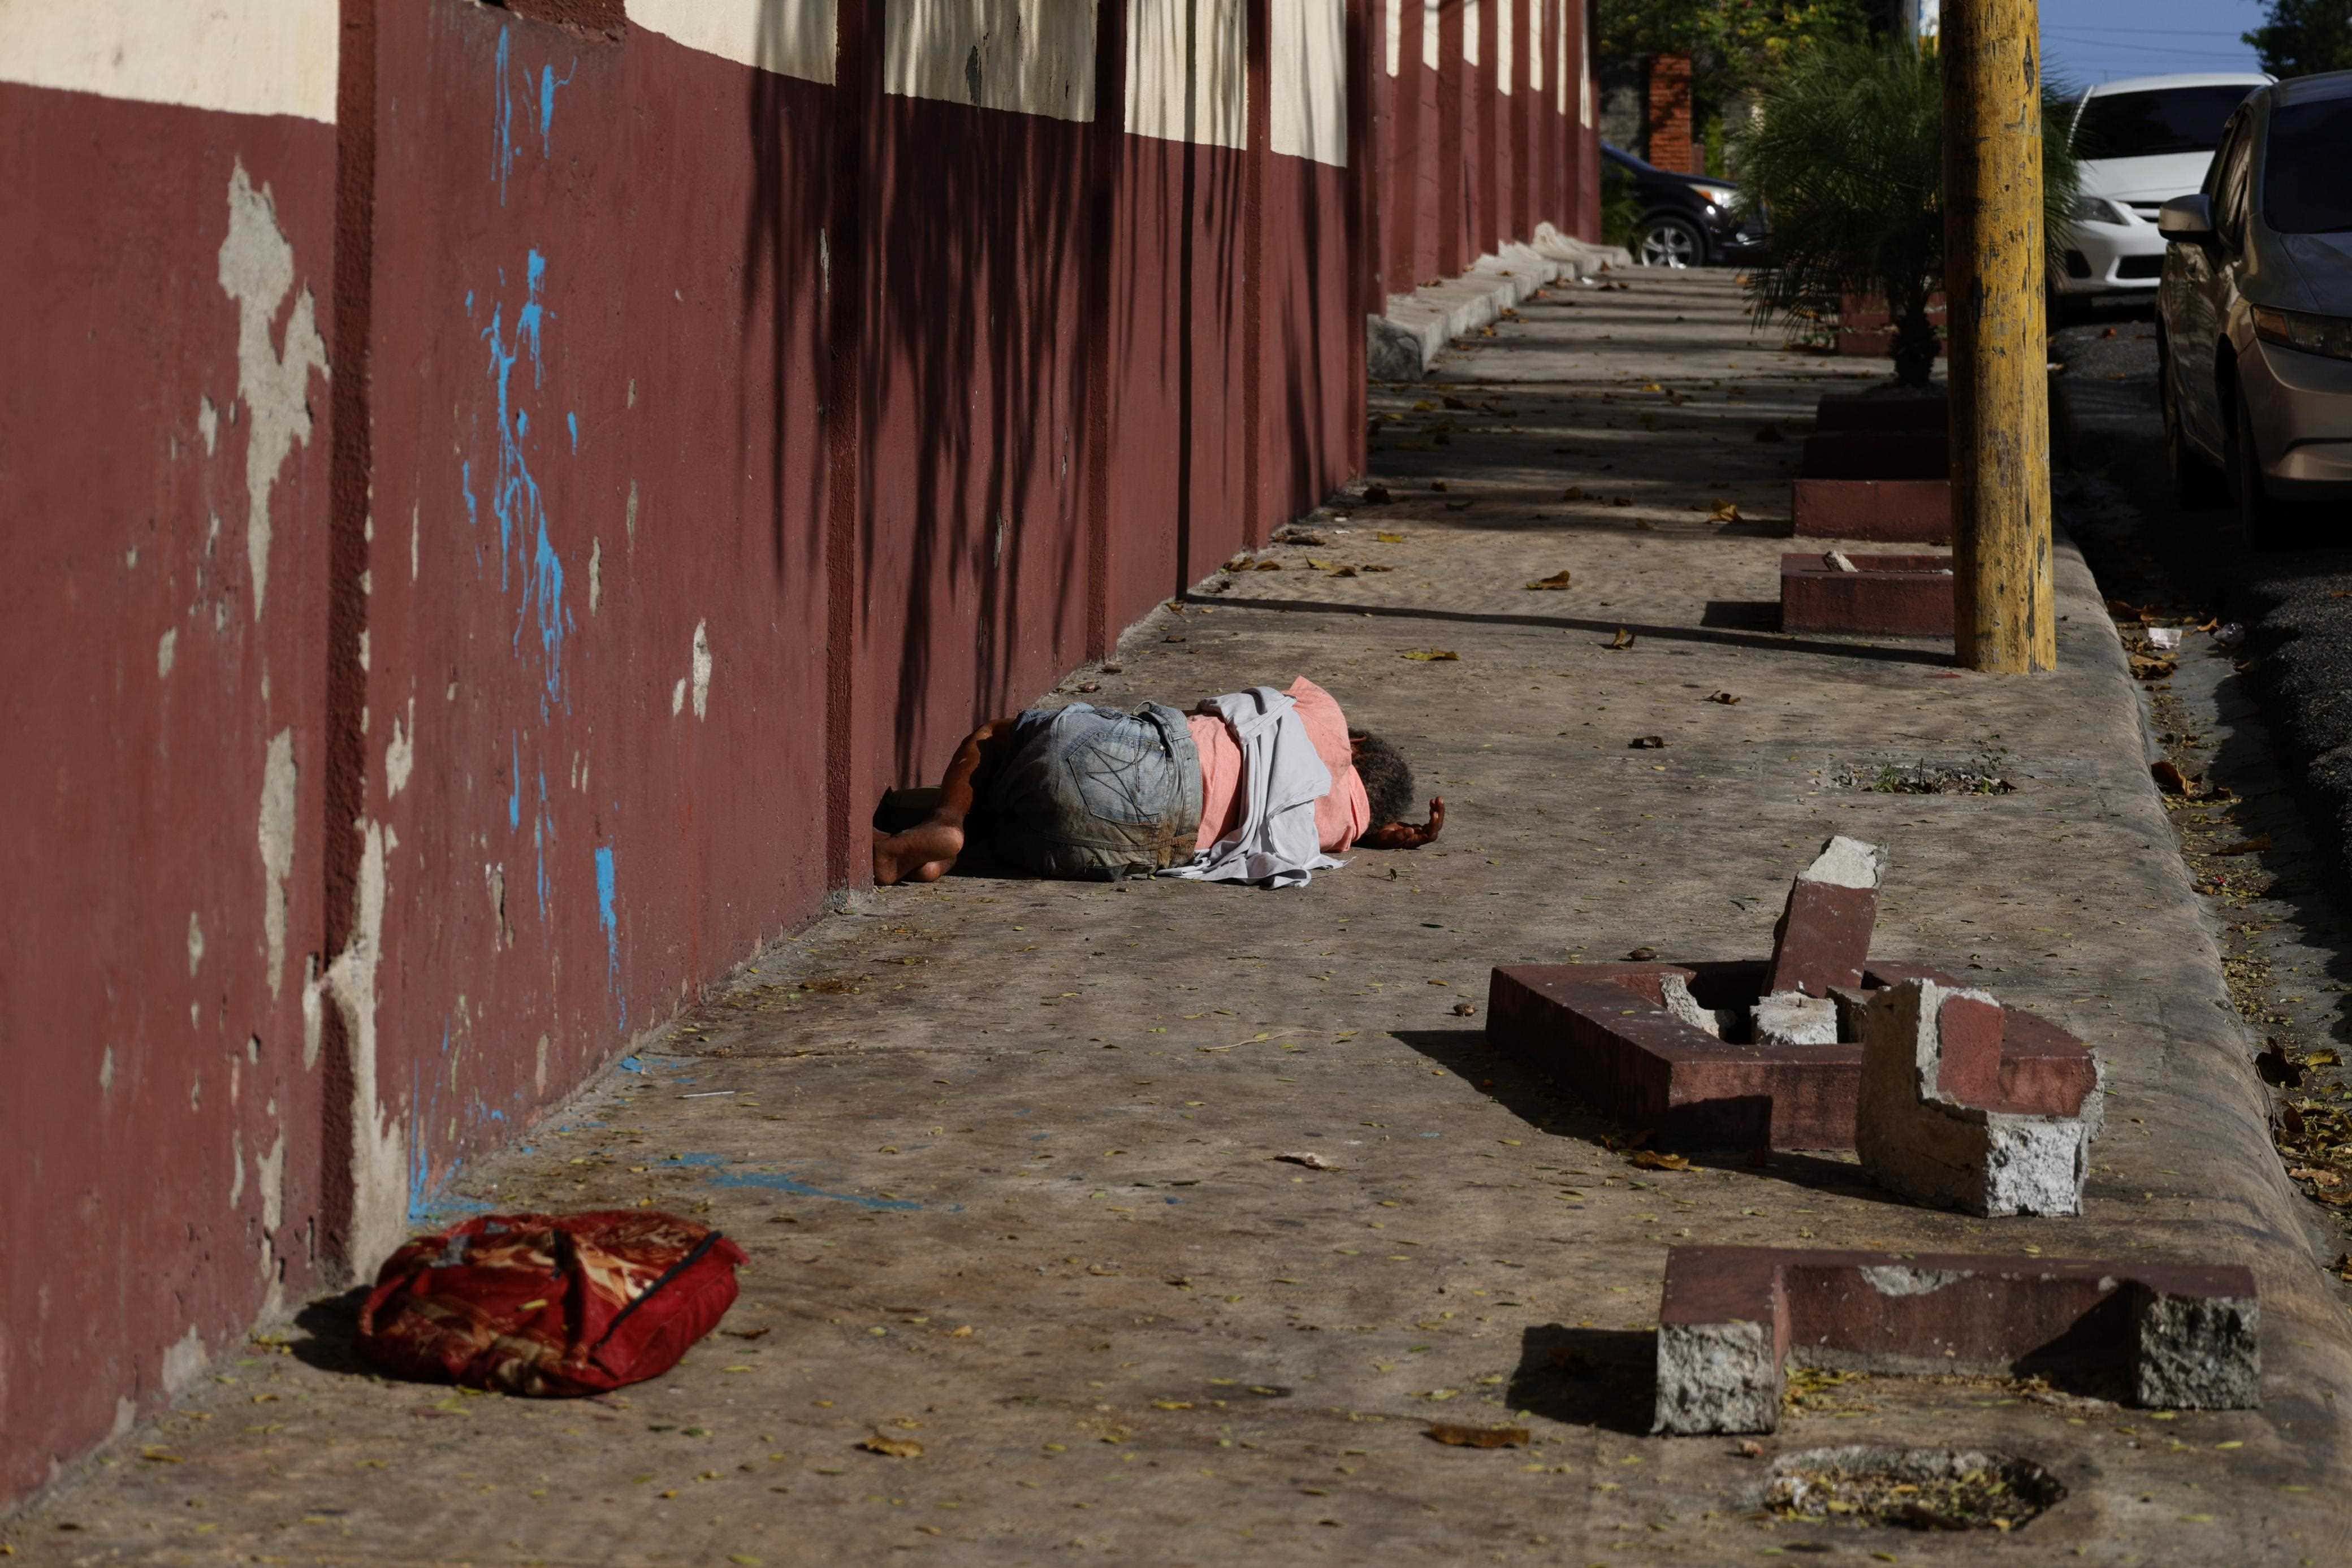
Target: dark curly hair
(1387, 777)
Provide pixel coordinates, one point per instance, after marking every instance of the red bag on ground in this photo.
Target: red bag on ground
(549, 1304)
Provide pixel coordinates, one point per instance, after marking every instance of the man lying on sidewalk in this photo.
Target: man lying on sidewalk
(1257, 786)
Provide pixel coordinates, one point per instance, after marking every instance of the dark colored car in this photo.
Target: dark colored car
(1680, 220)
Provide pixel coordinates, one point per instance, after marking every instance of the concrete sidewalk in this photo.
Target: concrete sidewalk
(1006, 1153)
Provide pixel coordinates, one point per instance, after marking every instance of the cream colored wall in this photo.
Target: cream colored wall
(241, 57)
(1307, 96)
(1028, 56)
(1536, 9)
(1428, 35)
(1504, 54)
(1396, 35)
(1187, 71)
(1470, 31)
(791, 37)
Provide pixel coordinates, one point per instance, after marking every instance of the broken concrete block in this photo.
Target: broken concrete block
(1931, 1123)
(1676, 993)
(2196, 1351)
(1732, 1320)
(1823, 936)
(1793, 1018)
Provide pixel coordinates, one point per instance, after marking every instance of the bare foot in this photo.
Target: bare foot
(923, 853)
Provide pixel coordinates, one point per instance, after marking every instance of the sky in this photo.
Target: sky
(2100, 40)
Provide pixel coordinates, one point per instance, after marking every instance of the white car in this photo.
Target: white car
(2139, 143)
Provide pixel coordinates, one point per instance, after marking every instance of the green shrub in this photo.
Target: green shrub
(1845, 158)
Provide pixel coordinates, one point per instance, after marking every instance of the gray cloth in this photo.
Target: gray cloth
(1094, 793)
(1275, 841)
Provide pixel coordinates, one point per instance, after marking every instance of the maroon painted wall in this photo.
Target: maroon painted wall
(669, 456)
(1464, 168)
(156, 687)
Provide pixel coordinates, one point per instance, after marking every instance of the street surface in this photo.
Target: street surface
(1010, 1158)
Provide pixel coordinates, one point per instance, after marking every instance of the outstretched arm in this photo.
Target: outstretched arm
(1404, 835)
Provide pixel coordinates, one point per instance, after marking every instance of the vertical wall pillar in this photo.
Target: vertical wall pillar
(1258, 50)
(1368, 102)
(847, 249)
(1452, 91)
(1096, 364)
(351, 480)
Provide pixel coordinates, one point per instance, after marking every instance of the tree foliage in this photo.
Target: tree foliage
(1845, 159)
(2304, 36)
(1734, 45)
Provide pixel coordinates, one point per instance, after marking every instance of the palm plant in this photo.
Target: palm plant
(1845, 154)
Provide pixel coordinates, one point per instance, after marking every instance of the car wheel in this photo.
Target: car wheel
(2263, 520)
(1666, 240)
(2197, 484)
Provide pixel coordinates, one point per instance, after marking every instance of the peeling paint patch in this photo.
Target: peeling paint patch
(277, 836)
(195, 944)
(595, 573)
(538, 1070)
(256, 271)
(236, 1160)
(208, 424)
(701, 669)
(183, 1361)
(379, 1157)
(416, 527)
(400, 752)
(106, 1070)
(166, 651)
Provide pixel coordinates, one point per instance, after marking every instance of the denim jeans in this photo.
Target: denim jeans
(1093, 793)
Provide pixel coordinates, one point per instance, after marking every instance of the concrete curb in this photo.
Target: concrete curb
(1401, 345)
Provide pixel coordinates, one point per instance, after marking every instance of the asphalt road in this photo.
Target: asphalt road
(2296, 605)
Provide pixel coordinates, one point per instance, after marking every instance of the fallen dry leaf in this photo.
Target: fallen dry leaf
(1642, 956)
(1376, 496)
(892, 1448)
(1573, 493)
(1651, 1160)
(2252, 846)
(1433, 655)
(1459, 1437)
(1646, 743)
(1554, 583)
(1269, 566)
(2170, 778)
(1464, 1010)
(1726, 698)
(1322, 565)
(1388, 538)
(1624, 639)
(1313, 1162)
(1724, 512)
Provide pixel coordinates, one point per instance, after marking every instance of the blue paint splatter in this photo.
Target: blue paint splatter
(514, 796)
(574, 421)
(466, 477)
(607, 915)
(502, 122)
(547, 86)
(516, 497)
(628, 1064)
(469, 302)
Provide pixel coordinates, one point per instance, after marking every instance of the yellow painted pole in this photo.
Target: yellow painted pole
(1999, 345)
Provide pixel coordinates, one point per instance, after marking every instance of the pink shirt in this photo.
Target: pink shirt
(1340, 818)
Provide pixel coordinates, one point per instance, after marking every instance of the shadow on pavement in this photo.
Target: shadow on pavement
(1606, 1378)
(1875, 652)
